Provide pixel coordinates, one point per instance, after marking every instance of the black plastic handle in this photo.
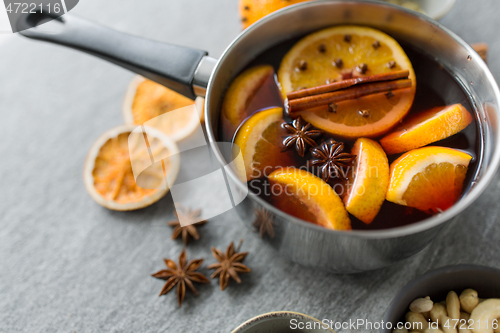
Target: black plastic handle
(170, 65)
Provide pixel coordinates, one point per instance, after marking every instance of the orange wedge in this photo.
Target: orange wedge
(367, 192)
(260, 142)
(341, 52)
(108, 174)
(240, 94)
(146, 100)
(253, 10)
(426, 127)
(303, 195)
(430, 179)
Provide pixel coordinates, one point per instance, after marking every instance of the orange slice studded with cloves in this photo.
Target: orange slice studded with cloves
(344, 52)
(253, 10)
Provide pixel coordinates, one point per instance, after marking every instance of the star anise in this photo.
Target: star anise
(264, 222)
(186, 215)
(330, 157)
(302, 135)
(228, 266)
(182, 276)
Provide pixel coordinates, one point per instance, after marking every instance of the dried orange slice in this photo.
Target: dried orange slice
(426, 127)
(240, 94)
(430, 178)
(253, 10)
(303, 195)
(260, 142)
(342, 52)
(108, 174)
(146, 100)
(370, 179)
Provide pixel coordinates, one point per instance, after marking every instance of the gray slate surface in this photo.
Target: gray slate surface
(68, 265)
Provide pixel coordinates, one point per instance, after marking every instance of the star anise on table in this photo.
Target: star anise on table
(228, 266)
(301, 135)
(330, 158)
(182, 275)
(264, 222)
(189, 231)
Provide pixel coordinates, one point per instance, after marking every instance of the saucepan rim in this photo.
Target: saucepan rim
(414, 228)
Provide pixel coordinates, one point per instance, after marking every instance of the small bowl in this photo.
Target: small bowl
(437, 9)
(437, 283)
(281, 322)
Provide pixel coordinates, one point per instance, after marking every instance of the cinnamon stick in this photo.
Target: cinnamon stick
(310, 102)
(334, 86)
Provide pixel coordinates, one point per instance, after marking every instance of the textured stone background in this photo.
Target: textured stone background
(66, 264)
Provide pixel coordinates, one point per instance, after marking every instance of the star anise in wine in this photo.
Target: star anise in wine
(264, 222)
(302, 135)
(182, 276)
(186, 215)
(330, 158)
(228, 266)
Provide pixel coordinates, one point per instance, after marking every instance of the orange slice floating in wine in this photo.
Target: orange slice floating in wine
(108, 174)
(303, 195)
(430, 179)
(342, 52)
(427, 127)
(260, 141)
(240, 94)
(253, 10)
(366, 193)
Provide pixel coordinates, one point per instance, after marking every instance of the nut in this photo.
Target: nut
(463, 325)
(417, 320)
(421, 305)
(453, 305)
(469, 300)
(484, 314)
(437, 311)
(448, 324)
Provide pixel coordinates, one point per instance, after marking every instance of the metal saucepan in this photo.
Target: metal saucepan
(192, 73)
